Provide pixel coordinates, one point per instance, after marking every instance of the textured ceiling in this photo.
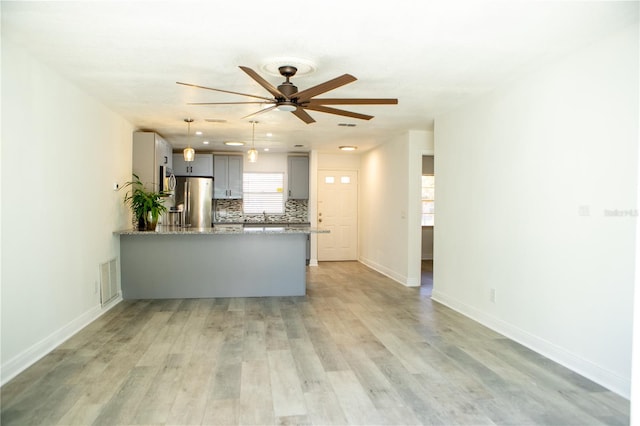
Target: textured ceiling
(432, 56)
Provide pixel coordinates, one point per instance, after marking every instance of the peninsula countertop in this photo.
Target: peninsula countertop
(222, 261)
(224, 229)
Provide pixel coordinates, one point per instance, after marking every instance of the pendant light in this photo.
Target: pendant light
(189, 153)
(252, 154)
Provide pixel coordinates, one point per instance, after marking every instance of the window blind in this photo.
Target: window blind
(263, 192)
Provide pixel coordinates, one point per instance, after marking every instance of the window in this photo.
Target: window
(428, 188)
(263, 192)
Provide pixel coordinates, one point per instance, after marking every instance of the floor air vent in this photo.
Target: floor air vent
(108, 281)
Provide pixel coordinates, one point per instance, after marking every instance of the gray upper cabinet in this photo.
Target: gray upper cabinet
(227, 180)
(150, 151)
(202, 166)
(164, 154)
(298, 169)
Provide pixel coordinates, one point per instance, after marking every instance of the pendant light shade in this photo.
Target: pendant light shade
(252, 154)
(189, 153)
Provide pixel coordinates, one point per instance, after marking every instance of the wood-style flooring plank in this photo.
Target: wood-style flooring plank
(324, 408)
(288, 399)
(353, 398)
(256, 400)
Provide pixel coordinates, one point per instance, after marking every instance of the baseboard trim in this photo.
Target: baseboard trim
(22, 361)
(610, 380)
(388, 272)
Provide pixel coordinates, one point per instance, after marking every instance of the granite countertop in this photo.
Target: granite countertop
(229, 228)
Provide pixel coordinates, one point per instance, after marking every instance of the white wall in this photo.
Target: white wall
(390, 232)
(524, 179)
(342, 161)
(61, 153)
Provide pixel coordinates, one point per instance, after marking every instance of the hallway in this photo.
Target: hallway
(426, 277)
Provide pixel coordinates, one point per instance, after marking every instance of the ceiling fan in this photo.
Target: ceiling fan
(286, 96)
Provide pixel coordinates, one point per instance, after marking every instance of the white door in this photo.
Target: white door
(338, 212)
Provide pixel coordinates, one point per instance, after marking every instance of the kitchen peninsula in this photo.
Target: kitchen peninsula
(223, 261)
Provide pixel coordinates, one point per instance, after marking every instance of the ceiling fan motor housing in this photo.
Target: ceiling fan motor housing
(288, 89)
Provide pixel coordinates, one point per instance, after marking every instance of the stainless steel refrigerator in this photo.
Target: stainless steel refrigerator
(193, 197)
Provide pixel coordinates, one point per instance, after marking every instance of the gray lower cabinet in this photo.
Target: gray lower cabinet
(210, 265)
(298, 171)
(227, 176)
(201, 166)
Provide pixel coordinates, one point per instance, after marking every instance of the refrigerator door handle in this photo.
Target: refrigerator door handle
(187, 204)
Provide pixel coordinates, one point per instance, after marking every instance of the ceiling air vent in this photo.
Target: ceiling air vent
(215, 120)
(346, 125)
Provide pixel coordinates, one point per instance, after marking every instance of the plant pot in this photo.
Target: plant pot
(151, 224)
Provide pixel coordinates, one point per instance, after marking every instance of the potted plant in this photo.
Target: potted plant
(147, 206)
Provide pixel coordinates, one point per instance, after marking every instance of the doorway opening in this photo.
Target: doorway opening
(428, 224)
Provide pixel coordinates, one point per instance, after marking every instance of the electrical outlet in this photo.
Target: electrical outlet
(492, 295)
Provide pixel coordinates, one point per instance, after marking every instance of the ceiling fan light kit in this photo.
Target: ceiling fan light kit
(286, 96)
(287, 107)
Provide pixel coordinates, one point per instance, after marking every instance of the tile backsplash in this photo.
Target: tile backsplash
(231, 211)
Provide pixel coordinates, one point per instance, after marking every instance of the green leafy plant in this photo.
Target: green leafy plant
(147, 206)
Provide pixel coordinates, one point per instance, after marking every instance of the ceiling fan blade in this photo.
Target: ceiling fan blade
(260, 112)
(329, 110)
(227, 103)
(223, 91)
(324, 87)
(303, 115)
(264, 83)
(360, 101)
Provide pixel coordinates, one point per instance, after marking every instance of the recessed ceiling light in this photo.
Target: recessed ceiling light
(269, 135)
(234, 143)
(348, 148)
(266, 149)
(199, 133)
(205, 142)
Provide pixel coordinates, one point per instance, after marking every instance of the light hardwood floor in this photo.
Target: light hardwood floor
(358, 349)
